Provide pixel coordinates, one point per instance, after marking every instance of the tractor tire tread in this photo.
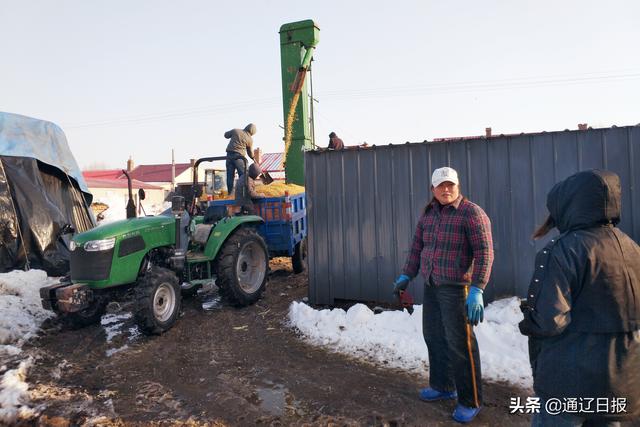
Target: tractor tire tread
(299, 258)
(226, 267)
(144, 300)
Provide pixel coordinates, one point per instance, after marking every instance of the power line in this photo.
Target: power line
(363, 94)
(179, 114)
(471, 87)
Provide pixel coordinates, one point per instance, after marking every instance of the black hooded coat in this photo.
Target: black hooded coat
(583, 314)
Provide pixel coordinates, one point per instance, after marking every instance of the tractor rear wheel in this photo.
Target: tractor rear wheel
(242, 267)
(299, 258)
(157, 300)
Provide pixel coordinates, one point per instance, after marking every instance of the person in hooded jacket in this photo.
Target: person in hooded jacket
(335, 142)
(250, 183)
(582, 312)
(241, 142)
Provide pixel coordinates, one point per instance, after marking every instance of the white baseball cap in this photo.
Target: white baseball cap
(441, 175)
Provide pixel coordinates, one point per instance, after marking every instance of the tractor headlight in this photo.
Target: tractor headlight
(99, 245)
(72, 246)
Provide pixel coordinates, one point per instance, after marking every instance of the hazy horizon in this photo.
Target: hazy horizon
(138, 79)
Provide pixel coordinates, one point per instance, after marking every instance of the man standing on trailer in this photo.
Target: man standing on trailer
(241, 141)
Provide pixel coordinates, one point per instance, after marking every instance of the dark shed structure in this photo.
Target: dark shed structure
(43, 196)
(363, 203)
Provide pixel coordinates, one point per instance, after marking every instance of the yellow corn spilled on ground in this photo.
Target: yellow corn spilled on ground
(275, 189)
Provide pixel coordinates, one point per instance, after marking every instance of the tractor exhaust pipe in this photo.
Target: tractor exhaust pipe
(131, 205)
(177, 209)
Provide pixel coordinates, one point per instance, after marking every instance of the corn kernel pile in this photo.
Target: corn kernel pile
(277, 189)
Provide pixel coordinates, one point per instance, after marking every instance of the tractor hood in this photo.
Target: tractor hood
(112, 254)
(126, 228)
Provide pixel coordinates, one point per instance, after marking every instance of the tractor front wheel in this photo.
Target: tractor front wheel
(157, 300)
(242, 267)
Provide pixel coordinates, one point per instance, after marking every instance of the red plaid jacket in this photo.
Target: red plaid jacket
(453, 245)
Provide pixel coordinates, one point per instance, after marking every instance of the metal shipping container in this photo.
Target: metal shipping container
(364, 203)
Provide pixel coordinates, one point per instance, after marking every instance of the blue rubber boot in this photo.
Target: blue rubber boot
(462, 414)
(431, 395)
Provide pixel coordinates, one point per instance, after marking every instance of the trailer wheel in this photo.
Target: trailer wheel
(86, 317)
(157, 300)
(299, 258)
(242, 267)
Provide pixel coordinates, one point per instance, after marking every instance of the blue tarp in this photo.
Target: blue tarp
(22, 136)
(43, 197)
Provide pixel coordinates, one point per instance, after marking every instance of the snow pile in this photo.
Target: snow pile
(14, 395)
(386, 338)
(504, 351)
(21, 315)
(394, 338)
(21, 312)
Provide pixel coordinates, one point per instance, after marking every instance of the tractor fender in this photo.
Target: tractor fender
(224, 228)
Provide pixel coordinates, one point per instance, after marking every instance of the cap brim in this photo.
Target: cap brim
(436, 183)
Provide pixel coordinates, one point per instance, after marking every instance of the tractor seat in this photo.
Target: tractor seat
(214, 214)
(201, 234)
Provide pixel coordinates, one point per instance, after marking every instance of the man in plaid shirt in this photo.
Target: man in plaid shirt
(453, 248)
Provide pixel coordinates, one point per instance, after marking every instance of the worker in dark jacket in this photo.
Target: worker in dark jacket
(582, 314)
(335, 142)
(453, 249)
(241, 142)
(250, 184)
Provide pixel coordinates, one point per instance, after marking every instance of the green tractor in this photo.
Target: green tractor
(154, 260)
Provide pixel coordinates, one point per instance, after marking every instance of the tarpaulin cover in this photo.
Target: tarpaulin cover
(42, 193)
(22, 136)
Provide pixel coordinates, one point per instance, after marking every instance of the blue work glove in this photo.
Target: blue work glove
(400, 284)
(475, 305)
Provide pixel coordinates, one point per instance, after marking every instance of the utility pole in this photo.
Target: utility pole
(173, 171)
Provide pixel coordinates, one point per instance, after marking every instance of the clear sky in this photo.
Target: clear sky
(138, 78)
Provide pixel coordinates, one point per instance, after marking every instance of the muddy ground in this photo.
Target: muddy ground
(225, 366)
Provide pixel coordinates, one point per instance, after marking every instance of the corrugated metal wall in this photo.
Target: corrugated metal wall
(363, 204)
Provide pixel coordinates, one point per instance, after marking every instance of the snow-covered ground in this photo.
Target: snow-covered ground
(394, 338)
(389, 339)
(21, 315)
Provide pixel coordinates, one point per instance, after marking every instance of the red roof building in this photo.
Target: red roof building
(102, 174)
(117, 183)
(272, 162)
(157, 173)
(110, 188)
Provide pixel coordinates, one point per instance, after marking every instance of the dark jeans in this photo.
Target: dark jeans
(234, 162)
(454, 358)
